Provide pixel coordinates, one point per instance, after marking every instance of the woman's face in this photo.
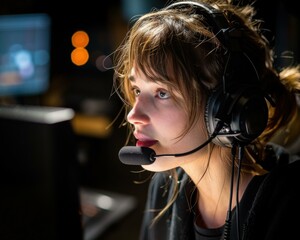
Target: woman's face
(158, 122)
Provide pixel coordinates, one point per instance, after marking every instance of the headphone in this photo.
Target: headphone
(238, 104)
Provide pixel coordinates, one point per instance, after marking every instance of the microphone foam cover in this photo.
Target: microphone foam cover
(132, 155)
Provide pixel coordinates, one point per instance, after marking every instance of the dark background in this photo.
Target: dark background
(71, 86)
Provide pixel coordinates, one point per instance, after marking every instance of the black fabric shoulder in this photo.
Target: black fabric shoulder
(176, 223)
(276, 205)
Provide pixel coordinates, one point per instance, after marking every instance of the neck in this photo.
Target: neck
(213, 205)
(213, 181)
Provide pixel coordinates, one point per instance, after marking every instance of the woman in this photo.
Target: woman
(200, 89)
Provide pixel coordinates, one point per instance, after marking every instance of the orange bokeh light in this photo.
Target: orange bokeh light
(79, 56)
(80, 39)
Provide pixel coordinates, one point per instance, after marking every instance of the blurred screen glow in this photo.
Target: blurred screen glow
(24, 54)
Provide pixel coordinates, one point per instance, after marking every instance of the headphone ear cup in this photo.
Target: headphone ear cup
(244, 114)
(216, 102)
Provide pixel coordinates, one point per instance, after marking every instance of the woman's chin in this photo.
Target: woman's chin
(162, 164)
(153, 169)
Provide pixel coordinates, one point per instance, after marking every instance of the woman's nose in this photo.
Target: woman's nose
(139, 113)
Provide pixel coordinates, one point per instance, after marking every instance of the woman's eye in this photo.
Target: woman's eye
(163, 94)
(136, 92)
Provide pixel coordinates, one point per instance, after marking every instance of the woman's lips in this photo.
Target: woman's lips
(145, 143)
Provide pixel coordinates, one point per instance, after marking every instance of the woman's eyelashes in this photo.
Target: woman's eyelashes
(159, 93)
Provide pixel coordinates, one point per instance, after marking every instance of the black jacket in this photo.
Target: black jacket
(269, 209)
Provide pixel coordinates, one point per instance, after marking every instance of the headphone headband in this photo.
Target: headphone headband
(218, 22)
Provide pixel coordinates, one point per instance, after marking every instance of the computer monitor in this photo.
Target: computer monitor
(38, 174)
(24, 54)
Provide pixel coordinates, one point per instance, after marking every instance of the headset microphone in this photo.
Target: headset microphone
(132, 155)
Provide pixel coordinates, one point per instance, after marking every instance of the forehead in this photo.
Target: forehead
(138, 77)
(163, 73)
(137, 74)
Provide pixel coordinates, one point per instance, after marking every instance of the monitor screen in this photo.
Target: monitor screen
(24, 54)
(38, 174)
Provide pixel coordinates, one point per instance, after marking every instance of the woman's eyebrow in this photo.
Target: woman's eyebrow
(131, 78)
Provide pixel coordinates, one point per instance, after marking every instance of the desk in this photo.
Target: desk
(92, 126)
